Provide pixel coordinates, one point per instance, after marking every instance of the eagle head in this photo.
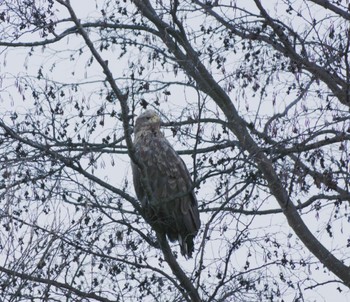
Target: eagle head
(147, 121)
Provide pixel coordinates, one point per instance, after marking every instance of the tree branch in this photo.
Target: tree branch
(329, 5)
(60, 285)
(192, 65)
(177, 271)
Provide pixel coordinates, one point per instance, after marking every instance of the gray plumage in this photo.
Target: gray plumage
(172, 208)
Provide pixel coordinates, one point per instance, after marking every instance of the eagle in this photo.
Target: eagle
(165, 188)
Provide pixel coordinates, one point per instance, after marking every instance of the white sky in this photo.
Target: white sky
(15, 64)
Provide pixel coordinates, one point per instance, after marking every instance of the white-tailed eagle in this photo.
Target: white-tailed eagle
(171, 206)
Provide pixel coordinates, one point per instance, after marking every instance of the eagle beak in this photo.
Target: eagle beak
(155, 119)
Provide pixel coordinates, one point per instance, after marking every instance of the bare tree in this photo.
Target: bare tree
(254, 96)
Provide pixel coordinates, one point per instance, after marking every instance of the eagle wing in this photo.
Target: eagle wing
(173, 205)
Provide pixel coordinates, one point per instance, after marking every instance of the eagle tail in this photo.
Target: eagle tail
(186, 245)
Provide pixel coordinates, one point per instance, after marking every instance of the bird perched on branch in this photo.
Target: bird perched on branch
(163, 184)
